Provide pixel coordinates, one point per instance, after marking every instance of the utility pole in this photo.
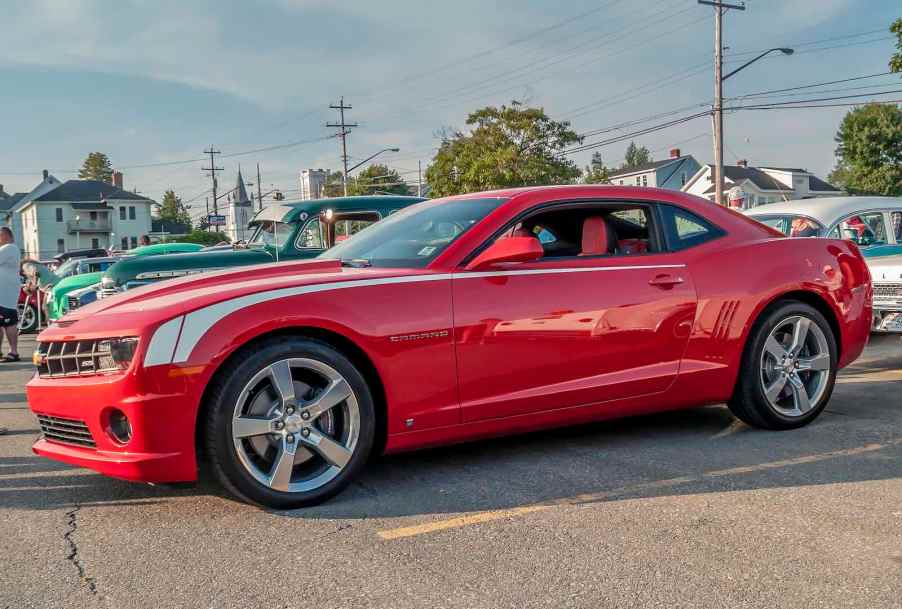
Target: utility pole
(259, 189)
(341, 107)
(717, 115)
(419, 178)
(213, 169)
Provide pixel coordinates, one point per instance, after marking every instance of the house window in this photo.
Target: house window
(644, 180)
(122, 213)
(124, 239)
(131, 213)
(683, 179)
(637, 180)
(621, 182)
(59, 214)
(93, 216)
(95, 243)
(134, 239)
(60, 245)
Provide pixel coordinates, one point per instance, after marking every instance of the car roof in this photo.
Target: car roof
(289, 212)
(825, 210)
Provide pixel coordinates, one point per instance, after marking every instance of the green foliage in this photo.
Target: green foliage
(635, 156)
(97, 166)
(333, 184)
(377, 179)
(506, 147)
(203, 237)
(171, 209)
(869, 154)
(596, 171)
(895, 62)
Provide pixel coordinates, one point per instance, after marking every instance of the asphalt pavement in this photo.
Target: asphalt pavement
(687, 509)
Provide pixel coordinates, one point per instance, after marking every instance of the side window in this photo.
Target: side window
(683, 229)
(864, 229)
(349, 225)
(311, 236)
(896, 218)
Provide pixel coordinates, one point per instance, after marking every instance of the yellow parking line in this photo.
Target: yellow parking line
(491, 515)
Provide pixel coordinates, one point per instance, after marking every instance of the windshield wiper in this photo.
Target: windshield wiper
(356, 263)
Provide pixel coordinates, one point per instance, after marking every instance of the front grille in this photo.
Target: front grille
(66, 431)
(891, 292)
(73, 302)
(107, 292)
(75, 358)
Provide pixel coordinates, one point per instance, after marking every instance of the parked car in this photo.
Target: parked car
(287, 231)
(873, 223)
(868, 221)
(64, 257)
(886, 275)
(74, 274)
(454, 319)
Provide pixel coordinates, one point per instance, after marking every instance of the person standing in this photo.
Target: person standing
(145, 240)
(10, 286)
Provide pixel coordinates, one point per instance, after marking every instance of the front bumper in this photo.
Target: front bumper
(162, 446)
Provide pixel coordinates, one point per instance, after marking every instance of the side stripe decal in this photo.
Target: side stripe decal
(199, 322)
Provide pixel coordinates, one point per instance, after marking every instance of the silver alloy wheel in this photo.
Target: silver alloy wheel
(296, 424)
(795, 366)
(29, 318)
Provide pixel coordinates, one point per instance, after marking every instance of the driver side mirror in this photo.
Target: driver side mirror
(508, 249)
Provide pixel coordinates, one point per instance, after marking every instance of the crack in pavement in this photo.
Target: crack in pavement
(73, 550)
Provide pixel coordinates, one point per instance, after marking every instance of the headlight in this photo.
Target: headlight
(116, 352)
(108, 283)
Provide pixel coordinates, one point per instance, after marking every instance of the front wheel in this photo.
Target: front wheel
(28, 321)
(788, 368)
(291, 422)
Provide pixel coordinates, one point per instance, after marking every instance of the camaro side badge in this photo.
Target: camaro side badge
(418, 336)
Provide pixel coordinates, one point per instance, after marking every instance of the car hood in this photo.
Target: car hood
(130, 269)
(131, 313)
(887, 268)
(75, 282)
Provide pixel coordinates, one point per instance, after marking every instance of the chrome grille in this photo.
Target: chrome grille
(107, 292)
(75, 358)
(72, 301)
(66, 431)
(888, 292)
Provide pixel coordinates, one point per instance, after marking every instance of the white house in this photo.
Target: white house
(746, 187)
(672, 172)
(312, 184)
(11, 207)
(80, 214)
(240, 212)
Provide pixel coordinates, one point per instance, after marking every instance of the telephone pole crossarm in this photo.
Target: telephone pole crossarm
(343, 134)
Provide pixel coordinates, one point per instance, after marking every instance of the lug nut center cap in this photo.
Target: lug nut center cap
(293, 423)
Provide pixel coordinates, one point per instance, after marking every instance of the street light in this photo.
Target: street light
(369, 158)
(785, 51)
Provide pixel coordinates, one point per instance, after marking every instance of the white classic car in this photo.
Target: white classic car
(874, 223)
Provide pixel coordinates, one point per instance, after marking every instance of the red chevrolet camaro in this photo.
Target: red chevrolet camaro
(451, 320)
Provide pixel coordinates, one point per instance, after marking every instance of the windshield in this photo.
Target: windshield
(270, 232)
(413, 237)
(67, 269)
(793, 226)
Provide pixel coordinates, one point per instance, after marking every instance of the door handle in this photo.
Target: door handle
(665, 281)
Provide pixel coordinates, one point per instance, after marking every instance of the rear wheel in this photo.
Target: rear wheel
(788, 368)
(291, 422)
(28, 321)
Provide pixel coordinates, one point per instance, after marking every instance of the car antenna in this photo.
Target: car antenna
(275, 235)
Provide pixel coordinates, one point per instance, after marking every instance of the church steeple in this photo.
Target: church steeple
(240, 194)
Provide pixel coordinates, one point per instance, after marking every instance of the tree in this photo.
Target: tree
(332, 187)
(869, 151)
(596, 171)
(97, 166)
(172, 209)
(377, 179)
(203, 237)
(506, 147)
(636, 155)
(895, 62)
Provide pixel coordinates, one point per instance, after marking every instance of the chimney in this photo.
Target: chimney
(46, 173)
(117, 179)
(742, 163)
(675, 153)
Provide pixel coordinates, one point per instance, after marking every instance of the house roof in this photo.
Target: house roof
(88, 190)
(792, 169)
(817, 184)
(7, 203)
(646, 167)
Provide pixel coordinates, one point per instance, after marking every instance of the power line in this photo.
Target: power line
(817, 84)
(343, 134)
(212, 169)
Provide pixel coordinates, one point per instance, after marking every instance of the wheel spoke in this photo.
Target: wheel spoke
(280, 373)
(280, 475)
(337, 392)
(820, 361)
(246, 427)
(773, 391)
(330, 450)
(774, 347)
(799, 334)
(799, 393)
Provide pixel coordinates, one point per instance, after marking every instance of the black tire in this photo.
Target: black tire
(228, 384)
(29, 313)
(749, 402)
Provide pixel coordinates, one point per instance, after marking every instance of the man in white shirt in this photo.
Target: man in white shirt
(10, 286)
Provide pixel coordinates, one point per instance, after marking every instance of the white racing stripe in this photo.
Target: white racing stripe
(199, 322)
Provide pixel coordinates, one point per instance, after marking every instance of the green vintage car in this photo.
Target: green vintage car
(286, 231)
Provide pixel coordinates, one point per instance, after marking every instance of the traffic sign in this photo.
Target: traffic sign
(216, 220)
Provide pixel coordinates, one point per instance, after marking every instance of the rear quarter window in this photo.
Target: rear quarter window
(684, 229)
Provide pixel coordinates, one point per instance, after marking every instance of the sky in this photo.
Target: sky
(154, 83)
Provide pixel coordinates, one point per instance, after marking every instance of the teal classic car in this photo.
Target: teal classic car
(286, 231)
